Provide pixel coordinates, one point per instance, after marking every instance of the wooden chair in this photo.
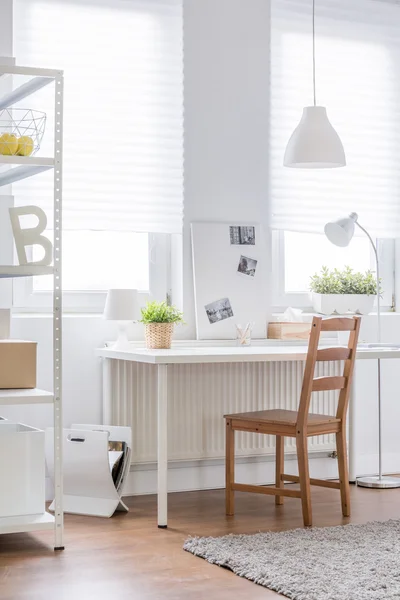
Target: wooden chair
(302, 424)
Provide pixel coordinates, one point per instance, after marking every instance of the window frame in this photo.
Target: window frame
(282, 299)
(25, 299)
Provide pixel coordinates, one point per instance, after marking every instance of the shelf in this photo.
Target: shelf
(26, 523)
(21, 87)
(27, 167)
(35, 396)
(6, 272)
(42, 161)
(6, 69)
(24, 90)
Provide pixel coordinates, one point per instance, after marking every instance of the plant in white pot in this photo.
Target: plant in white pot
(159, 320)
(335, 291)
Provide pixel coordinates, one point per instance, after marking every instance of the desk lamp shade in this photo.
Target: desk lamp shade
(340, 232)
(122, 306)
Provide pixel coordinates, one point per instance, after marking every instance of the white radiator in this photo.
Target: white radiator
(199, 396)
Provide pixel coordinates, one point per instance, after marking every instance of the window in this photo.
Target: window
(356, 43)
(297, 256)
(123, 139)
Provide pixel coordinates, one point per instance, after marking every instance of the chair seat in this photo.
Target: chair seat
(281, 417)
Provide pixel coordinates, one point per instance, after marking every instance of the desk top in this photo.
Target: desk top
(224, 354)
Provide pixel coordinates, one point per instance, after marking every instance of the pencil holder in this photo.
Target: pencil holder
(243, 334)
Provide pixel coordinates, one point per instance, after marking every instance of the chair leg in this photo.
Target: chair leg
(229, 468)
(304, 476)
(279, 466)
(341, 447)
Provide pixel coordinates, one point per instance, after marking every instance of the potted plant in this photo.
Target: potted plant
(159, 319)
(335, 291)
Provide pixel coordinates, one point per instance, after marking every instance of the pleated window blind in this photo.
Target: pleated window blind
(123, 140)
(358, 80)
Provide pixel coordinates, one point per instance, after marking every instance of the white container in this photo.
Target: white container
(22, 470)
(341, 304)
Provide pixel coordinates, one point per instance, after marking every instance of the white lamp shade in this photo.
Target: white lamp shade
(121, 305)
(341, 231)
(314, 143)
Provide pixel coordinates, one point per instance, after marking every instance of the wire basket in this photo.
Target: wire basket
(21, 131)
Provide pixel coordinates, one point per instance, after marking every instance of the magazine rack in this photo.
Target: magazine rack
(96, 464)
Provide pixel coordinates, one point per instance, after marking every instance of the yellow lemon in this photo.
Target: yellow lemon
(8, 144)
(25, 146)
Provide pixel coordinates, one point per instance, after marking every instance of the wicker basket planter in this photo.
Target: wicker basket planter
(158, 335)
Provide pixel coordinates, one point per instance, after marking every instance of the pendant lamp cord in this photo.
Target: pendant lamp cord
(313, 49)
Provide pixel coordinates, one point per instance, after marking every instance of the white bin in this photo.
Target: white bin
(22, 470)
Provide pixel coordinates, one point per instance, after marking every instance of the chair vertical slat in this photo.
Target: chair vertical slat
(348, 370)
(308, 376)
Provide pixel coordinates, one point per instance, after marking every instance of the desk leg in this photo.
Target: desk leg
(107, 391)
(162, 457)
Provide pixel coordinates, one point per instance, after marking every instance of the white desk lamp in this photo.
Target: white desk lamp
(340, 233)
(122, 306)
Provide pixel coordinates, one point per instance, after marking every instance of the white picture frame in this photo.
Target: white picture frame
(231, 279)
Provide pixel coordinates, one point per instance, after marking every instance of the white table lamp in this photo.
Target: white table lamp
(340, 233)
(122, 306)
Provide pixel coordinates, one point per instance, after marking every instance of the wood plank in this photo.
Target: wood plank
(343, 472)
(279, 466)
(328, 354)
(324, 428)
(338, 324)
(267, 490)
(318, 482)
(229, 468)
(304, 477)
(324, 384)
(128, 557)
(306, 388)
(265, 428)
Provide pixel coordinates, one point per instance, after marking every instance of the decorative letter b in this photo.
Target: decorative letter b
(30, 236)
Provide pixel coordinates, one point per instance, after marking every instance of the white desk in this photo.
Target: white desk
(216, 354)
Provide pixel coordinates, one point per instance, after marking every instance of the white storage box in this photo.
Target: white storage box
(22, 470)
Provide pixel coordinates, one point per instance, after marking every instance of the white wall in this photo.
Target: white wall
(226, 177)
(226, 53)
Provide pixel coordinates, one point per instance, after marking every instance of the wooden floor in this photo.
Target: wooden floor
(129, 558)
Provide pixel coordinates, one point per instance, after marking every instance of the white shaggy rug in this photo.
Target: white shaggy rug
(352, 562)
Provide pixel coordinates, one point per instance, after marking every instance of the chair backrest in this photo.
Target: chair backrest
(315, 354)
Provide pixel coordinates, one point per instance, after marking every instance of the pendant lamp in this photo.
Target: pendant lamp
(314, 144)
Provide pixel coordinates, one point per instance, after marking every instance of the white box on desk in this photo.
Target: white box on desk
(22, 470)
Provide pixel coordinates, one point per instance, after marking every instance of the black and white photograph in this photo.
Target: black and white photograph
(242, 235)
(219, 310)
(247, 266)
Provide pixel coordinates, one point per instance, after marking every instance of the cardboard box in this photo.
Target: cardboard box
(281, 330)
(17, 364)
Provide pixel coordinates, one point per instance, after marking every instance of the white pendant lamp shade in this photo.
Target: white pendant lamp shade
(121, 305)
(341, 231)
(314, 144)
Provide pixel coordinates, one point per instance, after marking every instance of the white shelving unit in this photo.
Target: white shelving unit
(12, 169)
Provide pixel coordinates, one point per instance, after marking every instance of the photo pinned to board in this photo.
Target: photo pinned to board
(247, 266)
(242, 235)
(219, 310)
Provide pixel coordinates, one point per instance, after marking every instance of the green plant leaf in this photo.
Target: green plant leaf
(160, 312)
(344, 282)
